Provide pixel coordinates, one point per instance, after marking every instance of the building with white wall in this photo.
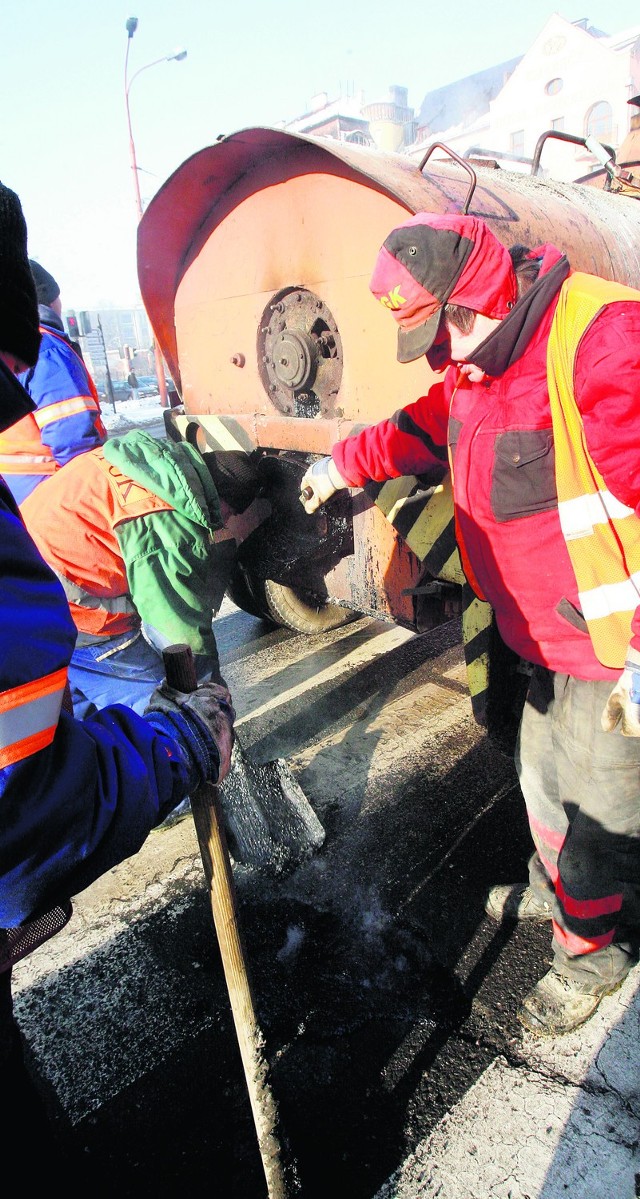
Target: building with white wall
(571, 80)
(574, 79)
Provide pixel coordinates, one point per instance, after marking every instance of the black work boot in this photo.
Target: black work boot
(516, 901)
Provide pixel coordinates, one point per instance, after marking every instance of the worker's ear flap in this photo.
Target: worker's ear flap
(15, 402)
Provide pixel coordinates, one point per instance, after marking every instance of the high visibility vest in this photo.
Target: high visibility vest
(80, 508)
(601, 533)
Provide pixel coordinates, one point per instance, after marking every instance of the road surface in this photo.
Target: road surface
(385, 997)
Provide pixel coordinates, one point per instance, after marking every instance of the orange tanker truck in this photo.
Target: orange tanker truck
(254, 260)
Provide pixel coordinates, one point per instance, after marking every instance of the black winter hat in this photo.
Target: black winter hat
(19, 333)
(47, 289)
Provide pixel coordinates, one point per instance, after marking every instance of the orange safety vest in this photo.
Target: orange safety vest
(601, 533)
(73, 519)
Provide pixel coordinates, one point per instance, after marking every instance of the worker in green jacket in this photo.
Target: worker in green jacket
(130, 530)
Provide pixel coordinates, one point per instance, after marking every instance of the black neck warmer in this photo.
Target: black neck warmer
(510, 339)
(49, 317)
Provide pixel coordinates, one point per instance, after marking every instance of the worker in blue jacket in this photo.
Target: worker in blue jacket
(66, 418)
(76, 797)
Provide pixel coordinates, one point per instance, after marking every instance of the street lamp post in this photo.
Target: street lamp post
(177, 56)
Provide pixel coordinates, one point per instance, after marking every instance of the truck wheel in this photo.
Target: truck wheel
(247, 595)
(286, 607)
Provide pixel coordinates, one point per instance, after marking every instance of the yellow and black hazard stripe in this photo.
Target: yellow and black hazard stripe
(424, 519)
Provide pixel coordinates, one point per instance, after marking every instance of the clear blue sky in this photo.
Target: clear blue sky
(63, 136)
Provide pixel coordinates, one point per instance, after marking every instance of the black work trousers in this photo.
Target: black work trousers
(582, 791)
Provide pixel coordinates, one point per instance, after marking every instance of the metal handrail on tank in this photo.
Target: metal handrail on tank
(567, 137)
(465, 165)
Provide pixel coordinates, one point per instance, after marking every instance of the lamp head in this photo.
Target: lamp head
(178, 55)
(131, 26)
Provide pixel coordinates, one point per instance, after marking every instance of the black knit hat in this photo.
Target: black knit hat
(47, 289)
(19, 333)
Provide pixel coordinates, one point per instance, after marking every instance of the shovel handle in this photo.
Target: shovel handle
(180, 673)
(180, 668)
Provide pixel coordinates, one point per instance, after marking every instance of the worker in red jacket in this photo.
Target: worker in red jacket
(65, 419)
(76, 797)
(538, 416)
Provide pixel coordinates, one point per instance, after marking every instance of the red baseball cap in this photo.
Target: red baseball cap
(435, 259)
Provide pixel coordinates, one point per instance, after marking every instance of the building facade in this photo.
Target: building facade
(574, 80)
(117, 340)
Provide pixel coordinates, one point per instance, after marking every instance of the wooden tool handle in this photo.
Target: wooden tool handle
(180, 668)
(180, 673)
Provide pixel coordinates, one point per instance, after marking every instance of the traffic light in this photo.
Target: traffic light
(129, 353)
(85, 323)
(73, 330)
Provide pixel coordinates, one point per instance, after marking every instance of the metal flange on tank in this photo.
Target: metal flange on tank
(300, 354)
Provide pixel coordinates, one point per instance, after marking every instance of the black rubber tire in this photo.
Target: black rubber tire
(247, 596)
(286, 607)
(283, 606)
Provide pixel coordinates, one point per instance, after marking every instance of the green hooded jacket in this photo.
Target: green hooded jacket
(170, 556)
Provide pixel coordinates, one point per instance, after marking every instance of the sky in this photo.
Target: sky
(64, 143)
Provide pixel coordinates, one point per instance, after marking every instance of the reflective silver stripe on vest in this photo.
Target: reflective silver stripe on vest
(116, 605)
(611, 597)
(27, 720)
(579, 515)
(28, 459)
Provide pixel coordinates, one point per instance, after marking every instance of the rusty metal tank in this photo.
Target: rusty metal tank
(254, 260)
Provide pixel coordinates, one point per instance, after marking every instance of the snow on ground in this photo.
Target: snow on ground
(131, 414)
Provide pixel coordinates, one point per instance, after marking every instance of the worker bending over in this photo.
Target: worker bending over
(129, 528)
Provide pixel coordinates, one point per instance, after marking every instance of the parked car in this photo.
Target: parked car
(121, 389)
(147, 388)
(148, 385)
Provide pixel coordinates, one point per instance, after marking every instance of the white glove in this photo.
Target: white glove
(624, 702)
(322, 480)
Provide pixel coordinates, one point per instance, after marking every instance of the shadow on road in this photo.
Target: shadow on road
(381, 988)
